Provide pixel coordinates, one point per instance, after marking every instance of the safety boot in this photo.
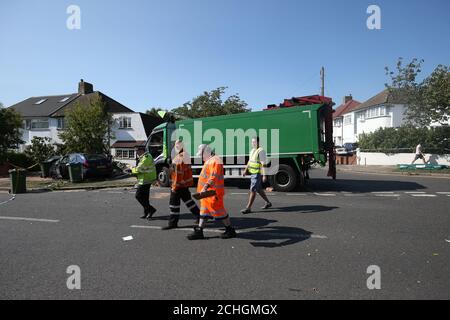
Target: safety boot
(229, 233)
(197, 234)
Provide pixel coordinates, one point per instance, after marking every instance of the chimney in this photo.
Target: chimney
(85, 87)
(348, 98)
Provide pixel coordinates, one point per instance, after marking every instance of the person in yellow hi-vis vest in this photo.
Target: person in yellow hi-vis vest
(145, 173)
(255, 167)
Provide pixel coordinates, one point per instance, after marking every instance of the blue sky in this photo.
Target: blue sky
(163, 53)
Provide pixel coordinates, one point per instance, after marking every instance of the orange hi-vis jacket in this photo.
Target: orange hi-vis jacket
(181, 174)
(212, 174)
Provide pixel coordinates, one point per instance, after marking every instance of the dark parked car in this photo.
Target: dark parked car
(94, 165)
(350, 147)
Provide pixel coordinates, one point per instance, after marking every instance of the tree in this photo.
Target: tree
(211, 104)
(428, 101)
(87, 128)
(40, 149)
(154, 111)
(10, 135)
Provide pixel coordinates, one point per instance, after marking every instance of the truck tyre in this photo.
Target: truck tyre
(285, 179)
(164, 177)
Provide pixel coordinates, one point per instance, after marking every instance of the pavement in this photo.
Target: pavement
(392, 170)
(313, 244)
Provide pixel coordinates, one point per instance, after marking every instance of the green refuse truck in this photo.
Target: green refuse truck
(296, 134)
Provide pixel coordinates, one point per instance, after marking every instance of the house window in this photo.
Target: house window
(40, 101)
(39, 124)
(125, 123)
(61, 123)
(347, 120)
(125, 154)
(338, 122)
(26, 124)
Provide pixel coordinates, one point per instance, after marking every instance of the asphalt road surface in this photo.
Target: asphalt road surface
(317, 244)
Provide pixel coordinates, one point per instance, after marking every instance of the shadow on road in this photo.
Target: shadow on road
(275, 237)
(300, 209)
(361, 186)
(264, 236)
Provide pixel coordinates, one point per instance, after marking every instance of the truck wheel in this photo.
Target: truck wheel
(285, 179)
(164, 177)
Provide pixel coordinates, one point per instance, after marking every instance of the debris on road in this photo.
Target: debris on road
(128, 238)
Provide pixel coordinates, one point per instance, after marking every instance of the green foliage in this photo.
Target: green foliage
(406, 138)
(428, 101)
(211, 104)
(87, 128)
(154, 111)
(40, 149)
(21, 160)
(10, 136)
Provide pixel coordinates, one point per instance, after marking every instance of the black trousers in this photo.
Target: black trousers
(175, 204)
(143, 196)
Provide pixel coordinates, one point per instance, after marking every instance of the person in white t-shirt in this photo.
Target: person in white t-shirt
(419, 154)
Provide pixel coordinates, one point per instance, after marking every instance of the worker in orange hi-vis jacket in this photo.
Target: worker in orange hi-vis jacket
(211, 178)
(181, 175)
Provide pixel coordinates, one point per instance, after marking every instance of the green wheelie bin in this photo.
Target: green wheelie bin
(75, 172)
(18, 179)
(45, 169)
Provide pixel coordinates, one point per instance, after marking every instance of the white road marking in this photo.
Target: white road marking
(414, 192)
(115, 192)
(448, 193)
(325, 194)
(296, 194)
(382, 192)
(28, 219)
(424, 195)
(11, 199)
(387, 195)
(294, 235)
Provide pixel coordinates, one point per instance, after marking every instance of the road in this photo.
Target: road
(312, 245)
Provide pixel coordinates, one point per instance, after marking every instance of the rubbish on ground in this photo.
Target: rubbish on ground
(127, 238)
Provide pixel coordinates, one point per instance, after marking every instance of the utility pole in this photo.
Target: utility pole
(322, 78)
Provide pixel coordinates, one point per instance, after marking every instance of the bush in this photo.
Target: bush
(21, 160)
(406, 138)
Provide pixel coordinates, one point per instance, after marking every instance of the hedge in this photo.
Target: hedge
(405, 139)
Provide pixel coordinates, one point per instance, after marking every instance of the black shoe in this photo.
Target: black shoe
(267, 206)
(246, 211)
(197, 234)
(151, 213)
(229, 233)
(170, 226)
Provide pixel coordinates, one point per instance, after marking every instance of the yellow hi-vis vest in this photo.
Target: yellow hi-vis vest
(145, 170)
(254, 165)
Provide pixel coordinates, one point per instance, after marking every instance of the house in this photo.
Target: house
(380, 111)
(130, 135)
(346, 107)
(44, 116)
